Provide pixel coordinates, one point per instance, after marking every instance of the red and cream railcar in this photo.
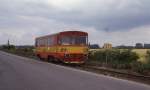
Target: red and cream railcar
(67, 46)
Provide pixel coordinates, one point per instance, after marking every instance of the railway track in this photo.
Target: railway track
(116, 73)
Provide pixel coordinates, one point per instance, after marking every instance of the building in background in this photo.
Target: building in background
(147, 46)
(94, 46)
(139, 45)
(124, 47)
(107, 46)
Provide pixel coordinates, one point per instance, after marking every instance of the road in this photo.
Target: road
(19, 73)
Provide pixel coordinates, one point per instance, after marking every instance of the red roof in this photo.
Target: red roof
(80, 33)
(74, 33)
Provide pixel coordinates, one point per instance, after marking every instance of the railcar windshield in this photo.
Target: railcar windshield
(73, 40)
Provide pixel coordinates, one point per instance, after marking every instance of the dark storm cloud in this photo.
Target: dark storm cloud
(117, 17)
(22, 20)
(121, 15)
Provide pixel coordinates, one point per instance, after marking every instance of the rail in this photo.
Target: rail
(118, 73)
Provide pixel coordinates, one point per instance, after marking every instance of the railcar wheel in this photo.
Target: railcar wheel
(50, 59)
(39, 57)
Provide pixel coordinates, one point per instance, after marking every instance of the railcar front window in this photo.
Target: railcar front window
(80, 40)
(65, 41)
(73, 40)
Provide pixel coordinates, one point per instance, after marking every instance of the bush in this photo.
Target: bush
(148, 57)
(144, 68)
(141, 68)
(115, 58)
(8, 47)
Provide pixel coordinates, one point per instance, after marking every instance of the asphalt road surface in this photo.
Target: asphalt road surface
(19, 73)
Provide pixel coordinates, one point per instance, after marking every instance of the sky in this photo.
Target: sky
(120, 22)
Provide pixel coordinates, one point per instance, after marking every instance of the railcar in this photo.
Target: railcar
(67, 47)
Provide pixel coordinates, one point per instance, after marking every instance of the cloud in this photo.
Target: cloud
(129, 37)
(105, 20)
(112, 14)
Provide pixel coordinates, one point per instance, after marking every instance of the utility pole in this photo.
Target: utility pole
(8, 43)
(106, 57)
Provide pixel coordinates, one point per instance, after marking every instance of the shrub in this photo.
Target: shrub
(8, 47)
(115, 58)
(148, 56)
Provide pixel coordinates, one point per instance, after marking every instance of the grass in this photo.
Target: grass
(21, 52)
(141, 53)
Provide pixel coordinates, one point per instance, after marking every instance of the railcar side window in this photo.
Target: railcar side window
(81, 40)
(50, 41)
(36, 43)
(73, 40)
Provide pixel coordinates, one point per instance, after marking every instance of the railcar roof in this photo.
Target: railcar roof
(64, 32)
(47, 36)
(72, 31)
